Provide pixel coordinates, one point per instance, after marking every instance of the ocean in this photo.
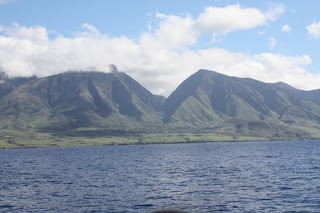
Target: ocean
(273, 176)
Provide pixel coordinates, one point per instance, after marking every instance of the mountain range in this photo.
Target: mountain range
(206, 102)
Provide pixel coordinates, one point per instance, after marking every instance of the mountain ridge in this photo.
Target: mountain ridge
(77, 96)
(248, 103)
(207, 102)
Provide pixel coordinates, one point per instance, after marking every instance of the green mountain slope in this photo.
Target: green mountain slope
(209, 99)
(8, 84)
(94, 103)
(73, 100)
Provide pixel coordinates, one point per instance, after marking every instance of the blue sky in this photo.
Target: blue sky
(161, 42)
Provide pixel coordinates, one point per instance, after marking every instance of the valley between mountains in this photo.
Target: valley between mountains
(94, 108)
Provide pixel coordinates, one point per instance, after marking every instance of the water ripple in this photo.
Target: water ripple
(204, 177)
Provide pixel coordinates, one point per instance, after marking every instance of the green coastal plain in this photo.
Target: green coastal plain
(10, 140)
(16, 139)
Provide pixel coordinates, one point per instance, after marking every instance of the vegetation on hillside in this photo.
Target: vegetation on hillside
(114, 108)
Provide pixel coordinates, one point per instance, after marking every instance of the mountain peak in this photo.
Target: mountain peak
(210, 97)
(113, 68)
(83, 99)
(282, 85)
(206, 101)
(3, 75)
(207, 72)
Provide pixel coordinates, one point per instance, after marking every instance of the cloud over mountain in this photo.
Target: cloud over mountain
(160, 59)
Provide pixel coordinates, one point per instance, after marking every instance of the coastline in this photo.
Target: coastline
(48, 141)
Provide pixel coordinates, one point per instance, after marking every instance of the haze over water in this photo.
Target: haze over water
(198, 177)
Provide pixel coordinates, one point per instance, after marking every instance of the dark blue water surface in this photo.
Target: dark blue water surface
(198, 177)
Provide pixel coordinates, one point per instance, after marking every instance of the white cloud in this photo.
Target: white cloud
(160, 60)
(27, 51)
(91, 29)
(314, 30)
(286, 28)
(266, 67)
(176, 31)
(287, 69)
(6, 1)
(36, 33)
(181, 31)
(275, 10)
(272, 43)
(222, 20)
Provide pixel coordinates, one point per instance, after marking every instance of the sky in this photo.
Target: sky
(160, 42)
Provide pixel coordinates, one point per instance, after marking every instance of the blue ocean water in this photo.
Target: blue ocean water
(281, 176)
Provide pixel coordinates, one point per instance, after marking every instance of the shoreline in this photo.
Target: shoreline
(21, 143)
